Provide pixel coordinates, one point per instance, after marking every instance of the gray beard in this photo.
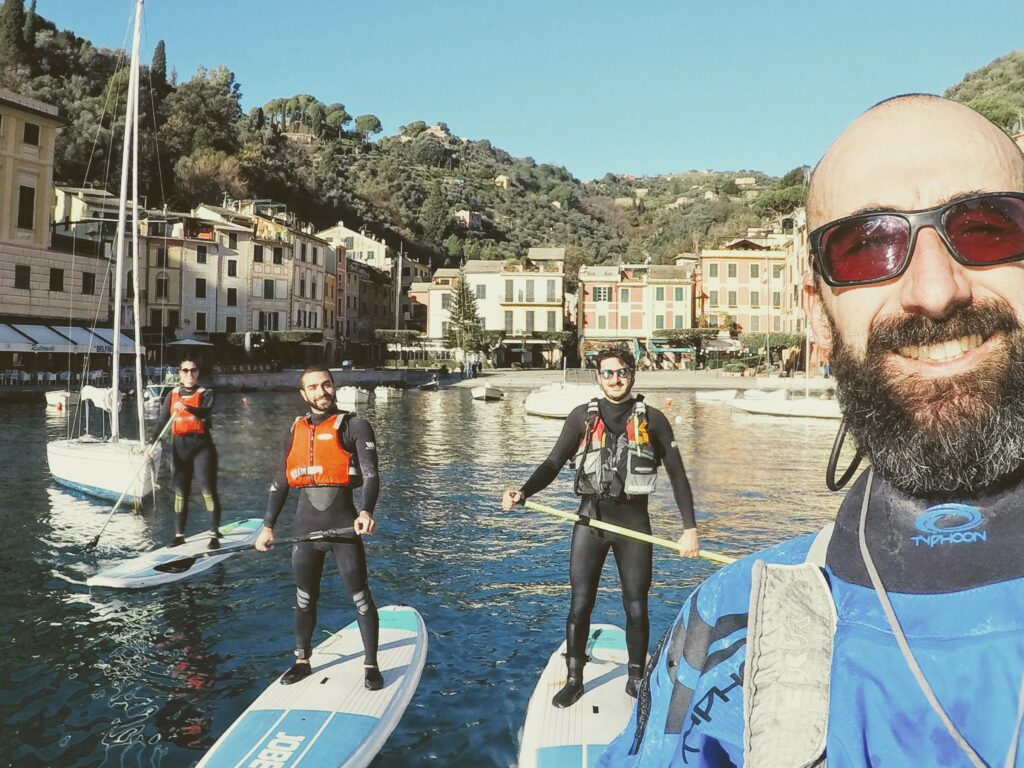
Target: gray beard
(944, 438)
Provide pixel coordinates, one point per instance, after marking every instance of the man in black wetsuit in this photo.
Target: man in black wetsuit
(617, 442)
(193, 454)
(326, 454)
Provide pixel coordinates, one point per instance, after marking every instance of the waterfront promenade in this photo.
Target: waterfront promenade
(508, 378)
(503, 378)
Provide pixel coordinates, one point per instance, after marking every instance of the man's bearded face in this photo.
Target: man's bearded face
(935, 437)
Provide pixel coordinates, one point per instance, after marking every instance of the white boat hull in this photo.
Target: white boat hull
(352, 395)
(387, 393)
(61, 399)
(103, 468)
(715, 395)
(808, 407)
(556, 401)
(487, 393)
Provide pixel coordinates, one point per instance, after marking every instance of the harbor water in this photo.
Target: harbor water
(153, 677)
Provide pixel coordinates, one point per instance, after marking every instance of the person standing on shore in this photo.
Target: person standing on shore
(193, 454)
(618, 443)
(326, 454)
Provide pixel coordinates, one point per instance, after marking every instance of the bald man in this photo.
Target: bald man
(896, 639)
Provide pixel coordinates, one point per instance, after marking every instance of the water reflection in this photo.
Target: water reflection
(153, 677)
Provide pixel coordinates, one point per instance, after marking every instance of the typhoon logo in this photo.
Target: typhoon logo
(948, 524)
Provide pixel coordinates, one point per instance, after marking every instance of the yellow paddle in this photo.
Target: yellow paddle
(600, 524)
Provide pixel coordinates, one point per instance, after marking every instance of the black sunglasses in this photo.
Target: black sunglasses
(622, 373)
(189, 370)
(979, 230)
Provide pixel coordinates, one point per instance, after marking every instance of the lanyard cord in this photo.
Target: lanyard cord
(908, 656)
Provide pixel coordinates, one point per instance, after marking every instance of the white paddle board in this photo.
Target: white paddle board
(329, 718)
(142, 571)
(574, 737)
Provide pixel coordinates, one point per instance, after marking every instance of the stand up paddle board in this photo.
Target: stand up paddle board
(168, 564)
(574, 737)
(329, 718)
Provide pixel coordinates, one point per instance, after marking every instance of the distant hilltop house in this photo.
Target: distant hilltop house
(501, 181)
(469, 219)
(679, 202)
(746, 181)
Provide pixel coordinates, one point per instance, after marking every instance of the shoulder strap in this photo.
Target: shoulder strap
(819, 547)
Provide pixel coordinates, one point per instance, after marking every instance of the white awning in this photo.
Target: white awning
(22, 337)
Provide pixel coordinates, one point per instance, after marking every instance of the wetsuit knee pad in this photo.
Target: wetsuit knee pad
(210, 501)
(364, 602)
(179, 503)
(303, 600)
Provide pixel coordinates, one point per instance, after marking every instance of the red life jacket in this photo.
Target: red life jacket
(316, 456)
(186, 422)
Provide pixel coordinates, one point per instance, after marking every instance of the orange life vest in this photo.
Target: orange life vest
(186, 422)
(316, 456)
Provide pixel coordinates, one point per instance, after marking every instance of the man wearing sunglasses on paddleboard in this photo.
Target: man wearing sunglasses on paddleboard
(617, 443)
(898, 637)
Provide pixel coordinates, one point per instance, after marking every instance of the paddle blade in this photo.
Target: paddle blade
(176, 566)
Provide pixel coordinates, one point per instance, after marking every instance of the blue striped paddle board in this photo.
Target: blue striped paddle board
(329, 718)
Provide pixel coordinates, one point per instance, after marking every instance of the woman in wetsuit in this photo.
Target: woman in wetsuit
(193, 454)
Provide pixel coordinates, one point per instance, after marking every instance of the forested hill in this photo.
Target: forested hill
(327, 165)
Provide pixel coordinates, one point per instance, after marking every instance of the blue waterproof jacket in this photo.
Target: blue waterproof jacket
(955, 576)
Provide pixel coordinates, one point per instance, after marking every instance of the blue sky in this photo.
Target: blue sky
(631, 86)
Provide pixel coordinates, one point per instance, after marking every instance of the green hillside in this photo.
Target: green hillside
(326, 165)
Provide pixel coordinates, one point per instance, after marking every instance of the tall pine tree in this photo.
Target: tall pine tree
(463, 322)
(12, 41)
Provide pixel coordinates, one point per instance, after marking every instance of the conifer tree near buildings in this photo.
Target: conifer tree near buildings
(463, 321)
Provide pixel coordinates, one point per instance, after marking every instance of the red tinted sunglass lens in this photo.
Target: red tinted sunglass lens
(986, 230)
(864, 249)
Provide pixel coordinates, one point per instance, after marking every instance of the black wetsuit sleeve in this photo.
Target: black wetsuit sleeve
(665, 448)
(278, 485)
(565, 447)
(360, 432)
(162, 418)
(205, 408)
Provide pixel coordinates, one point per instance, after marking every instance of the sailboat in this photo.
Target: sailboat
(112, 466)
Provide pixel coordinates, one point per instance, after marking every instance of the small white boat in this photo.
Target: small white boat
(430, 386)
(61, 399)
(153, 395)
(809, 407)
(485, 392)
(353, 395)
(387, 393)
(761, 394)
(556, 401)
(715, 395)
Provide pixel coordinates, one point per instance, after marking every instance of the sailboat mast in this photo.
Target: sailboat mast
(133, 89)
(136, 293)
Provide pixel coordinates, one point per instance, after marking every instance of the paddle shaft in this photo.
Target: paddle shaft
(187, 561)
(629, 532)
(145, 463)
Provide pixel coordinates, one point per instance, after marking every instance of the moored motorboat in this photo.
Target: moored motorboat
(809, 407)
(556, 401)
(715, 395)
(430, 386)
(387, 393)
(61, 399)
(484, 392)
(353, 395)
